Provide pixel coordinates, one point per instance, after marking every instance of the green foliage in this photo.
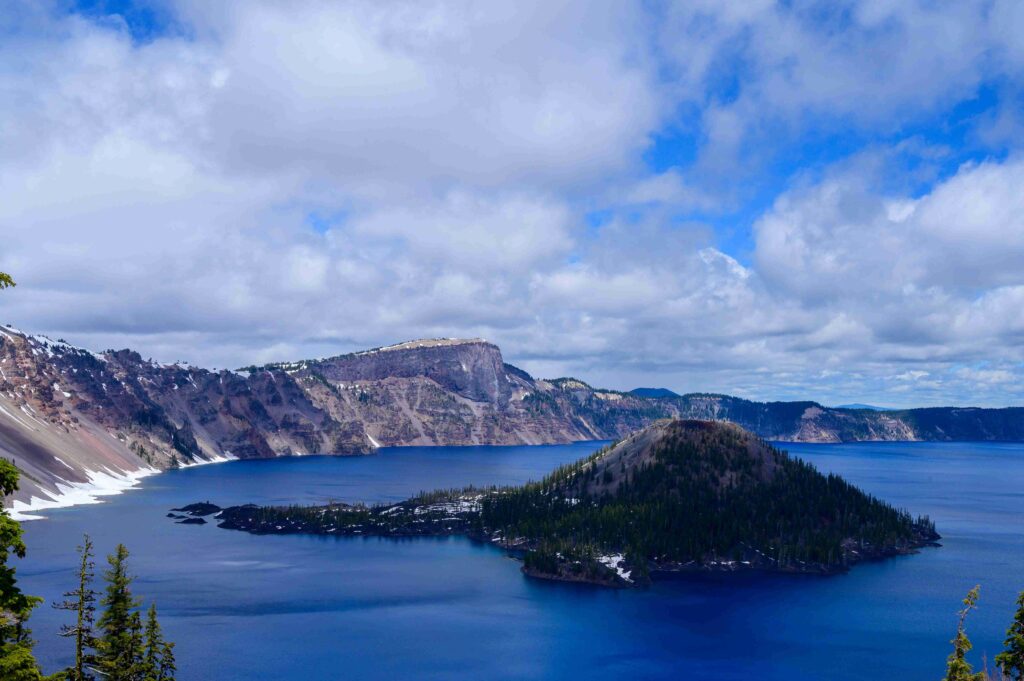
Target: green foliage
(120, 641)
(82, 601)
(322, 380)
(167, 668)
(158, 659)
(1011, 660)
(17, 663)
(141, 450)
(538, 402)
(121, 649)
(16, 660)
(122, 655)
(443, 512)
(578, 562)
(6, 282)
(702, 497)
(452, 494)
(957, 666)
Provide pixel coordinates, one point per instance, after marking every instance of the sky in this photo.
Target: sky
(777, 200)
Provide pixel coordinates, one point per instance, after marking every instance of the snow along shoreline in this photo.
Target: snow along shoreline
(102, 483)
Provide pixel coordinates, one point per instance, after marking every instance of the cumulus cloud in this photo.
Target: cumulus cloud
(933, 280)
(428, 93)
(261, 182)
(765, 69)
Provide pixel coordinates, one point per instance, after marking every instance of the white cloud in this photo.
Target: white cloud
(823, 66)
(421, 93)
(989, 376)
(304, 181)
(840, 241)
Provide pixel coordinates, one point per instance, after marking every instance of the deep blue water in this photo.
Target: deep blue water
(247, 607)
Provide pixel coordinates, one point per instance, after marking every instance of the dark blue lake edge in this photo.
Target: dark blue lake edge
(293, 607)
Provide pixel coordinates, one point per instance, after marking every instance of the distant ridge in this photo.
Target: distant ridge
(655, 393)
(858, 405)
(68, 414)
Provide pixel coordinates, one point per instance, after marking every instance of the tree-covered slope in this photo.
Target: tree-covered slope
(676, 495)
(699, 494)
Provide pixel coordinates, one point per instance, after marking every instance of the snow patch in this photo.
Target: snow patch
(227, 456)
(100, 484)
(451, 507)
(64, 463)
(614, 562)
(422, 343)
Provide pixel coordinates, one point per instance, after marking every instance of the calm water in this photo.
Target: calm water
(247, 607)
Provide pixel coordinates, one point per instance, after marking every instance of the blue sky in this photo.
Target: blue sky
(777, 200)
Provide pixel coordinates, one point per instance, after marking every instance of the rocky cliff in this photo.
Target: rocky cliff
(79, 423)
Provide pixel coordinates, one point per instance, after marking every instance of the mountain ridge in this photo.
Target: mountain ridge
(654, 392)
(69, 416)
(860, 405)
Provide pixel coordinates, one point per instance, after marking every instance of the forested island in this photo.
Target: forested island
(678, 495)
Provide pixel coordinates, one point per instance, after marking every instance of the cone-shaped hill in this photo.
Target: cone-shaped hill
(677, 495)
(699, 494)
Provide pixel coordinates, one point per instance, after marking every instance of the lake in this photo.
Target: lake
(289, 607)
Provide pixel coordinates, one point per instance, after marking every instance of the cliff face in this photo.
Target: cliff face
(472, 369)
(456, 392)
(68, 415)
(76, 422)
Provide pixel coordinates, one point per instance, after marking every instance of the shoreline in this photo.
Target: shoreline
(111, 483)
(101, 483)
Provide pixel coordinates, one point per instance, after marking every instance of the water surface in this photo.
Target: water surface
(288, 607)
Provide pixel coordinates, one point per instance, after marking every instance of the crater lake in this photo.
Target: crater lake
(241, 606)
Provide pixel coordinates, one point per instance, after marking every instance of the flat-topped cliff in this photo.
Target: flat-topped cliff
(75, 420)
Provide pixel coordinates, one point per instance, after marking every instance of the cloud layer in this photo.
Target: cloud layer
(746, 198)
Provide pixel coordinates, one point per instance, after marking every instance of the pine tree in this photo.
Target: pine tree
(167, 664)
(136, 648)
(957, 667)
(1011, 660)
(120, 627)
(151, 658)
(16, 660)
(82, 601)
(158, 660)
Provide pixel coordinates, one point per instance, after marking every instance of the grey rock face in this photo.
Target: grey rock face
(472, 369)
(66, 413)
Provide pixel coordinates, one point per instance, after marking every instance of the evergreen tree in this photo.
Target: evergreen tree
(120, 644)
(82, 601)
(136, 648)
(1011, 660)
(158, 660)
(167, 664)
(16, 660)
(151, 658)
(6, 281)
(957, 667)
